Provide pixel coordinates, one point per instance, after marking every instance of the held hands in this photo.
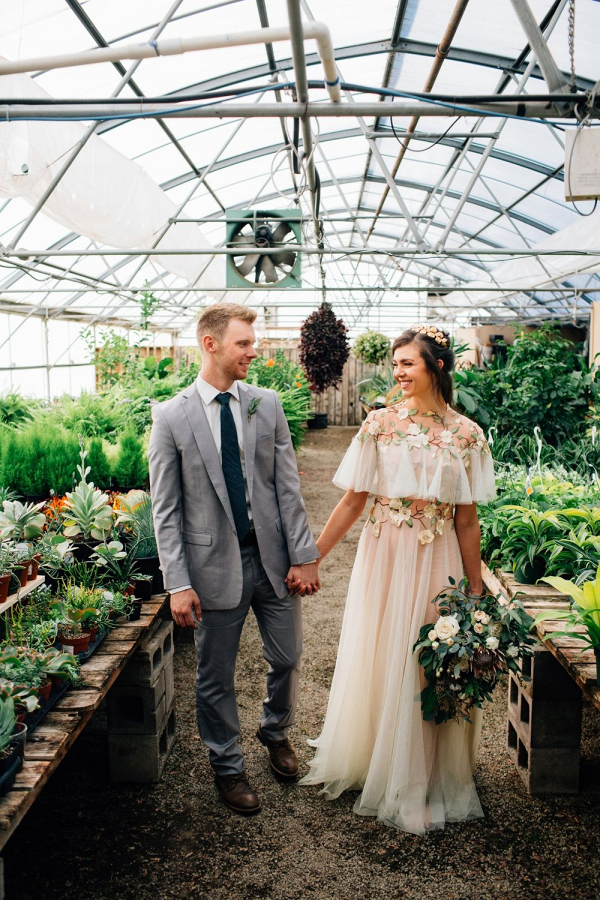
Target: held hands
(182, 604)
(303, 580)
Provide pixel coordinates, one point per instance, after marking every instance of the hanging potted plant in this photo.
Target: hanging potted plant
(324, 350)
(372, 348)
(582, 621)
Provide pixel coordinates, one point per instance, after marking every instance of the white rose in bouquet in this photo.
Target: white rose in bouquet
(478, 628)
(492, 642)
(512, 651)
(432, 634)
(446, 627)
(435, 644)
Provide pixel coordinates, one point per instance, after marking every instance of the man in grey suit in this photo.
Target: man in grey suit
(232, 533)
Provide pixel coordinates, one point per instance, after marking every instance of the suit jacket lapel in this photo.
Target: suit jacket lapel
(196, 416)
(249, 435)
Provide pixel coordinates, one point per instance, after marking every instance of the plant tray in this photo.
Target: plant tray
(93, 646)
(33, 719)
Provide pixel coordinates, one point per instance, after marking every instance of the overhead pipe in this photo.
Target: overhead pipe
(440, 55)
(553, 77)
(522, 108)
(317, 31)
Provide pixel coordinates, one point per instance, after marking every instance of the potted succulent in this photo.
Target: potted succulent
(86, 511)
(21, 521)
(74, 633)
(135, 517)
(121, 571)
(582, 621)
(53, 550)
(24, 700)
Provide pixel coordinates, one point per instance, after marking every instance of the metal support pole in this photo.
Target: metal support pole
(440, 55)
(552, 75)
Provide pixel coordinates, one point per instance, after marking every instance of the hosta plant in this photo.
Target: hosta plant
(21, 521)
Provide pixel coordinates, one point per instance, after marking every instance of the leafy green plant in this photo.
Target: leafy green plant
(16, 410)
(290, 382)
(324, 348)
(135, 514)
(526, 536)
(92, 415)
(119, 568)
(585, 612)
(115, 359)
(39, 458)
(73, 619)
(149, 304)
(372, 347)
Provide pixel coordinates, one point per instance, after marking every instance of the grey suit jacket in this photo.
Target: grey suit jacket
(195, 529)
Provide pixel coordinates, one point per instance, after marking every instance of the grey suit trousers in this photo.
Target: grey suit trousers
(217, 640)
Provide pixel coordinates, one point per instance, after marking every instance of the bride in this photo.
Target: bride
(427, 467)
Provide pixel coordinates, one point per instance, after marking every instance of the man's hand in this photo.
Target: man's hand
(182, 604)
(303, 580)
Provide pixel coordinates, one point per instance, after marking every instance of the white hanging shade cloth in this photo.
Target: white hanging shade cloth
(529, 273)
(103, 195)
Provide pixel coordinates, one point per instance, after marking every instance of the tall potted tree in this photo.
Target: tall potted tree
(324, 349)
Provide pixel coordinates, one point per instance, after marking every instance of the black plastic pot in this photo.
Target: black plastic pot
(143, 590)
(137, 609)
(597, 655)
(317, 420)
(530, 572)
(82, 551)
(10, 766)
(150, 565)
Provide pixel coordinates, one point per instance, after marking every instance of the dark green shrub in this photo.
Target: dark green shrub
(131, 466)
(99, 465)
(39, 458)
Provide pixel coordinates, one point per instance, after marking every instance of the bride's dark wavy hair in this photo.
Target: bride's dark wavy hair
(432, 351)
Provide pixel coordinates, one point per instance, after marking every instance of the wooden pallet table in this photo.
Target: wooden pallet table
(535, 598)
(50, 742)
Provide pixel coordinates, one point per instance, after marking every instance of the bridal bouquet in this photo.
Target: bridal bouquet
(474, 641)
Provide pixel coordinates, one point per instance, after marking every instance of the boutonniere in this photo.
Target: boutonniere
(253, 406)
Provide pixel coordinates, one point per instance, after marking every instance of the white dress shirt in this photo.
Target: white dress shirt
(212, 408)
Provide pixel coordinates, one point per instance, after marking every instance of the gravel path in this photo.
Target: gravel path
(90, 839)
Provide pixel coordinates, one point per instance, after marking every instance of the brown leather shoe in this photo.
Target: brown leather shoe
(237, 793)
(282, 755)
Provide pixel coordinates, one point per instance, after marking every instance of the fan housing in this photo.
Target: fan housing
(251, 230)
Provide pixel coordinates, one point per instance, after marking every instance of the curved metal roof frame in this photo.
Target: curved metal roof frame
(461, 199)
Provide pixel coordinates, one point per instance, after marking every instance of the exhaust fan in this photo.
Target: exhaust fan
(252, 230)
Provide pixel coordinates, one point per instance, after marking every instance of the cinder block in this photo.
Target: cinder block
(137, 709)
(545, 723)
(148, 662)
(141, 757)
(549, 680)
(169, 681)
(544, 770)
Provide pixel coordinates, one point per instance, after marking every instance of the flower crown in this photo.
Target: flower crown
(431, 331)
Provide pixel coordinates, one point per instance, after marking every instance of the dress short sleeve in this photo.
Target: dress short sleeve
(479, 466)
(358, 469)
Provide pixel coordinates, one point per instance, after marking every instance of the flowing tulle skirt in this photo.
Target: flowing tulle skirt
(412, 774)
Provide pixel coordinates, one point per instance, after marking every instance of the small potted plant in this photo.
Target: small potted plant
(7, 567)
(582, 621)
(21, 521)
(73, 633)
(121, 570)
(10, 758)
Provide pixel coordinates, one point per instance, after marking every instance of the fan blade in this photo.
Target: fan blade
(248, 264)
(242, 238)
(288, 258)
(269, 269)
(281, 231)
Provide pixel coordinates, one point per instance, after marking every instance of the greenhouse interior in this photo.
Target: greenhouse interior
(300, 311)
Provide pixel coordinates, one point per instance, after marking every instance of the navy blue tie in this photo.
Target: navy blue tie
(232, 468)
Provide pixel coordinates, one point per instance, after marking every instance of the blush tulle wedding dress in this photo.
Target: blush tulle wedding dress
(412, 774)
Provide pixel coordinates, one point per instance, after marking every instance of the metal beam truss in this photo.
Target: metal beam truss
(350, 252)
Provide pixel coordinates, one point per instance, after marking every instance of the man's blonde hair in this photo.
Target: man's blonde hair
(216, 318)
